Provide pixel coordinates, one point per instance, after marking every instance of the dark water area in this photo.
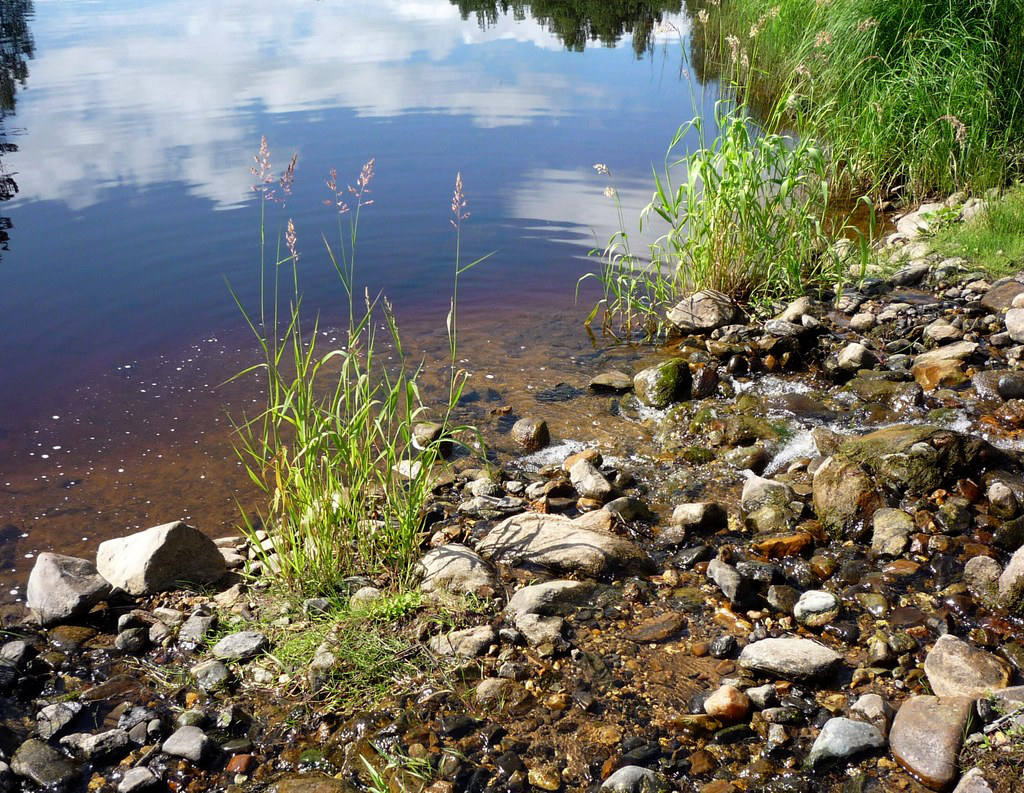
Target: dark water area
(129, 130)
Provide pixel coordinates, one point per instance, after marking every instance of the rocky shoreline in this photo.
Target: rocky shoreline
(824, 591)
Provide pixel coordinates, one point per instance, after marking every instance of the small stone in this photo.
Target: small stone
(188, 742)
(590, 482)
(974, 782)
(453, 568)
(1014, 320)
(211, 675)
(873, 709)
(957, 669)
(630, 779)
(892, 530)
(855, 356)
(530, 434)
(728, 704)
(841, 739)
(493, 691)
(103, 746)
(137, 780)
(240, 646)
(54, 718)
(702, 516)
(195, 630)
(816, 608)
(612, 381)
(467, 643)
(657, 629)
(862, 322)
(132, 641)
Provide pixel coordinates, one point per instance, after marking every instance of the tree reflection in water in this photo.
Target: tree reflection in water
(16, 49)
(579, 22)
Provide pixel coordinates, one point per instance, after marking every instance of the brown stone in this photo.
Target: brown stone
(702, 762)
(901, 568)
(658, 629)
(728, 704)
(958, 669)
(779, 546)
(1001, 297)
(941, 373)
(241, 764)
(926, 738)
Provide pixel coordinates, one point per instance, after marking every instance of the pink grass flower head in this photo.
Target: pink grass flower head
(459, 202)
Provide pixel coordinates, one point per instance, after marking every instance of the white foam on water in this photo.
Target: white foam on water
(800, 446)
(552, 455)
(772, 385)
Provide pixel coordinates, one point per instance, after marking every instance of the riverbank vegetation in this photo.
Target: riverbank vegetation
(826, 104)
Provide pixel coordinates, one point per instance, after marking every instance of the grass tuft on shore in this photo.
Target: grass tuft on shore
(994, 240)
(921, 97)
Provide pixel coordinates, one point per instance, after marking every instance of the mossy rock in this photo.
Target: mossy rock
(661, 385)
(696, 455)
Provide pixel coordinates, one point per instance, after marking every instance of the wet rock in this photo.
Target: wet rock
(453, 568)
(661, 385)
(1002, 500)
(211, 675)
(61, 587)
(612, 381)
(943, 367)
(732, 584)
(54, 718)
(1010, 535)
(94, 748)
(703, 312)
(160, 558)
(132, 641)
(138, 780)
(911, 275)
(240, 646)
(782, 597)
(1001, 296)
(892, 530)
(759, 492)
(590, 482)
(855, 356)
(927, 735)
(626, 509)
(1011, 583)
(873, 709)
(632, 779)
(981, 575)
(957, 669)
(466, 643)
(493, 691)
(1014, 320)
(728, 704)
(974, 782)
(782, 545)
(790, 657)
(844, 496)
(311, 783)
(43, 765)
(705, 383)
(657, 629)
(555, 542)
(549, 598)
(816, 608)
(842, 739)
(188, 742)
(700, 517)
(531, 434)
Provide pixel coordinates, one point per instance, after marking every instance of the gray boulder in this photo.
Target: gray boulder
(103, 746)
(61, 587)
(188, 742)
(163, 557)
(467, 643)
(240, 646)
(42, 764)
(841, 739)
(211, 675)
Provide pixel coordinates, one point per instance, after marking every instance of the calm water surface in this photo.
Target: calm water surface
(130, 129)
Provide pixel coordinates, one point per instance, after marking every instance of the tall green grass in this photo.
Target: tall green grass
(332, 452)
(915, 97)
(994, 240)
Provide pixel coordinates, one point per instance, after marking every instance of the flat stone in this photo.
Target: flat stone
(555, 542)
(188, 742)
(927, 735)
(612, 381)
(790, 658)
(551, 598)
(311, 783)
(195, 630)
(700, 516)
(842, 739)
(45, 766)
(61, 587)
(782, 545)
(1000, 297)
(163, 557)
(240, 646)
(657, 629)
(54, 718)
(102, 746)
(958, 669)
(467, 643)
(137, 780)
(453, 568)
(891, 531)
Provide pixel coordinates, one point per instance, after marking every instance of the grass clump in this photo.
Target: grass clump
(993, 240)
(917, 97)
(332, 453)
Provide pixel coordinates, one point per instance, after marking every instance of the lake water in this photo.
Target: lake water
(130, 130)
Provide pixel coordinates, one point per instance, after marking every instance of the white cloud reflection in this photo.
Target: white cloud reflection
(144, 93)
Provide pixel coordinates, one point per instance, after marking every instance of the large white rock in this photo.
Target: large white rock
(555, 542)
(61, 587)
(790, 657)
(958, 669)
(160, 558)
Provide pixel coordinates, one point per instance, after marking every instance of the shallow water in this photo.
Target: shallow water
(131, 133)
